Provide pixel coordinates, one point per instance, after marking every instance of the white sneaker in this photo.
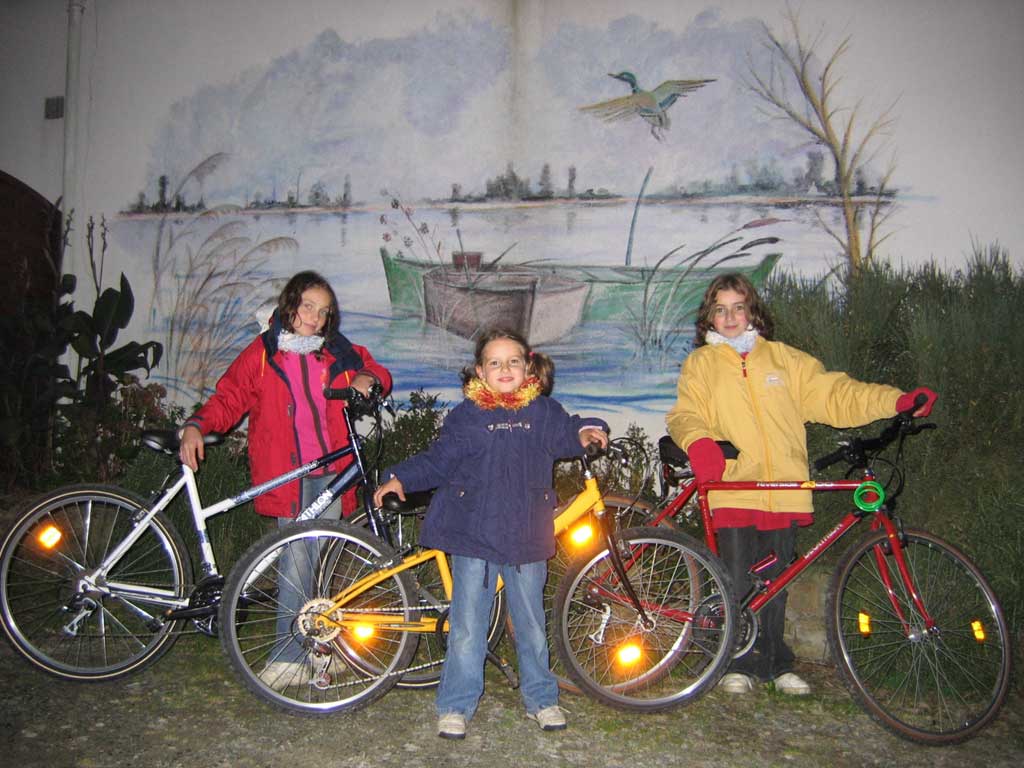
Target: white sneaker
(736, 682)
(281, 674)
(452, 726)
(549, 719)
(791, 684)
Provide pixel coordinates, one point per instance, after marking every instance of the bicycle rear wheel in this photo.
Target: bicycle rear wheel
(70, 622)
(432, 602)
(280, 647)
(608, 649)
(933, 685)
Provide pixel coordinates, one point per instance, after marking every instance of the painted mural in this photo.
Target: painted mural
(459, 176)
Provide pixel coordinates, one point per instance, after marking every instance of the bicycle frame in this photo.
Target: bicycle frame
(590, 499)
(767, 589)
(95, 579)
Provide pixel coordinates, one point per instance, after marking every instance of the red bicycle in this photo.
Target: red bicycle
(917, 635)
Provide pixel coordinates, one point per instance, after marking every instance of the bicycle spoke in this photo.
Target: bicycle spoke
(104, 631)
(935, 681)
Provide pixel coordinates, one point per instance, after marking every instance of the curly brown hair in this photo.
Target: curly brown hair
(291, 296)
(757, 310)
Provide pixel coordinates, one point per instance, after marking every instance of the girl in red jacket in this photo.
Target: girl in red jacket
(278, 380)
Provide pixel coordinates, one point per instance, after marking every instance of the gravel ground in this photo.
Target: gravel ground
(188, 710)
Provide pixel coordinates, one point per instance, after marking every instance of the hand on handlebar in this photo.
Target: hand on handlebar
(590, 435)
(394, 485)
(363, 382)
(919, 400)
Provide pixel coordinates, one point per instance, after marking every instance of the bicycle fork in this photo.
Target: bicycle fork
(894, 543)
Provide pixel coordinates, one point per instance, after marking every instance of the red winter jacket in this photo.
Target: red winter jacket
(255, 384)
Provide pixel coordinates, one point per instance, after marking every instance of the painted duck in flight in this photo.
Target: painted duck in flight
(652, 105)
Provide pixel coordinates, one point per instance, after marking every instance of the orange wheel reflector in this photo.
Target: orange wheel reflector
(363, 631)
(581, 534)
(979, 630)
(49, 537)
(629, 653)
(864, 623)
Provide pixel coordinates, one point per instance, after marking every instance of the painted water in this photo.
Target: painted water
(600, 367)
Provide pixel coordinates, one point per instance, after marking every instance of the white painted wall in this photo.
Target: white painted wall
(954, 69)
(957, 70)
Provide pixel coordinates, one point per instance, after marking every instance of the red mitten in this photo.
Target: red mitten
(906, 401)
(706, 460)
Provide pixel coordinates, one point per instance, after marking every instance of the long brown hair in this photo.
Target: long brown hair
(757, 310)
(537, 363)
(291, 296)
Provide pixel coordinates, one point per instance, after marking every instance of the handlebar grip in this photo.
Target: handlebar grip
(830, 459)
(340, 393)
(593, 450)
(920, 400)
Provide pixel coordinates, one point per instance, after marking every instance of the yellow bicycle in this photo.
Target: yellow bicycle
(365, 609)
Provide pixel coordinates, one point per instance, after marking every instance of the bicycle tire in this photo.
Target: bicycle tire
(685, 592)
(935, 687)
(430, 652)
(336, 672)
(114, 635)
(630, 513)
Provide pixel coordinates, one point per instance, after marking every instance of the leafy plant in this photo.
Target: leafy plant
(74, 424)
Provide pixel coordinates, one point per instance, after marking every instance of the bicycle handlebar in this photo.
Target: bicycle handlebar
(856, 450)
(358, 403)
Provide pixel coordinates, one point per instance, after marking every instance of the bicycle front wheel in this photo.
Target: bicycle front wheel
(669, 653)
(934, 681)
(628, 513)
(425, 670)
(286, 640)
(71, 621)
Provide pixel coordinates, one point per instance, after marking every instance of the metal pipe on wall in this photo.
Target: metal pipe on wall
(69, 171)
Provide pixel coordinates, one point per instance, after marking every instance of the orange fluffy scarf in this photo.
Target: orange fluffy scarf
(487, 399)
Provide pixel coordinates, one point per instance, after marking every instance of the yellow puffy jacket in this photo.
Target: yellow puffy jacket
(760, 404)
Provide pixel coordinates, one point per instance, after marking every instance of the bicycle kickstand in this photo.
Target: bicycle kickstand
(505, 667)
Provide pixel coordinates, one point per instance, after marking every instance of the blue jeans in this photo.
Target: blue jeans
(296, 570)
(462, 677)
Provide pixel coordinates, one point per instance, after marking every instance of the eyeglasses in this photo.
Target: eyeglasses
(513, 363)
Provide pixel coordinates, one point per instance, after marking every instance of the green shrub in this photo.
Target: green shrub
(954, 332)
(414, 427)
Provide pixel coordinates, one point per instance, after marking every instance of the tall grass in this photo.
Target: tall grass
(954, 332)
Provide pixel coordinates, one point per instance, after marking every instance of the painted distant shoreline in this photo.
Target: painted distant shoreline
(773, 201)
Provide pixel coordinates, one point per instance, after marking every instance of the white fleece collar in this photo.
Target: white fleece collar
(302, 345)
(742, 343)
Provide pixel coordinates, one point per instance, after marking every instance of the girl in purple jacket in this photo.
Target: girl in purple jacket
(493, 512)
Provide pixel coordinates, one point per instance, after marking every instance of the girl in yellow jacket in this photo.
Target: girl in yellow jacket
(739, 385)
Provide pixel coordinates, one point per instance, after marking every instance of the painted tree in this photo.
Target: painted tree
(836, 128)
(547, 188)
